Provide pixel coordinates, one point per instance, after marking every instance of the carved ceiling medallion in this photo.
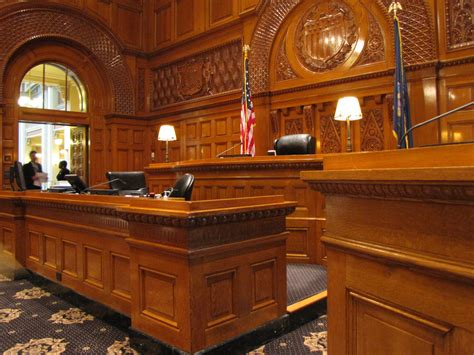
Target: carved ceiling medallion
(326, 36)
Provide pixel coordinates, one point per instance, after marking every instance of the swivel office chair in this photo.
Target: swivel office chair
(127, 182)
(183, 187)
(295, 144)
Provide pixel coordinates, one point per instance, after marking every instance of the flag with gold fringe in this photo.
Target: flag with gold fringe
(401, 104)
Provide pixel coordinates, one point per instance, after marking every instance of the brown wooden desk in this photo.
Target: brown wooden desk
(191, 274)
(258, 176)
(400, 246)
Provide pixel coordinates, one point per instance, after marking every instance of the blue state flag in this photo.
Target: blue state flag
(401, 104)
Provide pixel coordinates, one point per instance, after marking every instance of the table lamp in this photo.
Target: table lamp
(167, 134)
(348, 109)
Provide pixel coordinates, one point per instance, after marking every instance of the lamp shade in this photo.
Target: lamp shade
(167, 133)
(348, 108)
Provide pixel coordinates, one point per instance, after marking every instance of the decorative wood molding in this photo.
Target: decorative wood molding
(441, 190)
(22, 25)
(317, 165)
(213, 72)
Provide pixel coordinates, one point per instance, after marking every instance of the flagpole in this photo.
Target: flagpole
(245, 50)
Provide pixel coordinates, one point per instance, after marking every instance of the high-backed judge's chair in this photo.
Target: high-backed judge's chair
(183, 187)
(295, 144)
(127, 182)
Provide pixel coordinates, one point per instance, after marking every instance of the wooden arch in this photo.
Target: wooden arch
(22, 24)
(417, 32)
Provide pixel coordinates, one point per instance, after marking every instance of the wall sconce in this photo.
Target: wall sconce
(167, 134)
(348, 109)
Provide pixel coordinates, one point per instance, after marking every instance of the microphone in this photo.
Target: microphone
(104, 183)
(436, 118)
(225, 151)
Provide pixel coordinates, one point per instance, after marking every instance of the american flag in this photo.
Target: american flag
(247, 115)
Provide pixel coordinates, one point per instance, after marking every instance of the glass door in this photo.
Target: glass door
(55, 143)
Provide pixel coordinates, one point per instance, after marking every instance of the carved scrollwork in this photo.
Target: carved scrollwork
(284, 70)
(459, 20)
(372, 130)
(374, 51)
(326, 36)
(330, 135)
(213, 72)
(294, 126)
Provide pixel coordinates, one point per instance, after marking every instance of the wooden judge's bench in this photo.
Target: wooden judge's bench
(258, 176)
(400, 250)
(191, 274)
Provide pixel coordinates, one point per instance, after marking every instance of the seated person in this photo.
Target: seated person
(63, 171)
(32, 172)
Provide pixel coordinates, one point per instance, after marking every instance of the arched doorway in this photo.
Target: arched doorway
(94, 85)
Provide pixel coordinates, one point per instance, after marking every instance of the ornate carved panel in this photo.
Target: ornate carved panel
(284, 70)
(20, 26)
(267, 27)
(371, 127)
(459, 23)
(141, 89)
(330, 135)
(293, 126)
(209, 73)
(374, 50)
(326, 36)
(308, 117)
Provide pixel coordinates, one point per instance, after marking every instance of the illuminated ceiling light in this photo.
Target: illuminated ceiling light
(58, 141)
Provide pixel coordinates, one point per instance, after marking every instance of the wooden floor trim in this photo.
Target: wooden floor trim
(306, 302)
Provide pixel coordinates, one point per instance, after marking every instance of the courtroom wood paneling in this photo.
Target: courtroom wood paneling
(159, 261)
(234, 178)
(399, 281)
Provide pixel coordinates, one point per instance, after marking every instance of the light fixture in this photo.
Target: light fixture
(167, 134)
(58, 141)
(348, 109)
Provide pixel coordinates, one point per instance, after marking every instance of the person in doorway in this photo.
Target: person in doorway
(31, 170)
(63, 171)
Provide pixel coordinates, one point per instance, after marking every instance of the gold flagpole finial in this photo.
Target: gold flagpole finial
(395, 6)
(246, 50)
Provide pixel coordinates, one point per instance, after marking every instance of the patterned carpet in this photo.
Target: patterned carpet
(305, 280)
(310, 338)
(34, 321)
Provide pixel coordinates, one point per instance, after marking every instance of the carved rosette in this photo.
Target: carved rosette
(213, 72)
(460, 23)
(326, 36)
(374, 51)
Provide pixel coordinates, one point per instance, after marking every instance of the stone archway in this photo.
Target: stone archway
(20, 25)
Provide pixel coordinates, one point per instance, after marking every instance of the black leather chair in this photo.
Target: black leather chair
(183, 187)
(127, 182)
(295, 144)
